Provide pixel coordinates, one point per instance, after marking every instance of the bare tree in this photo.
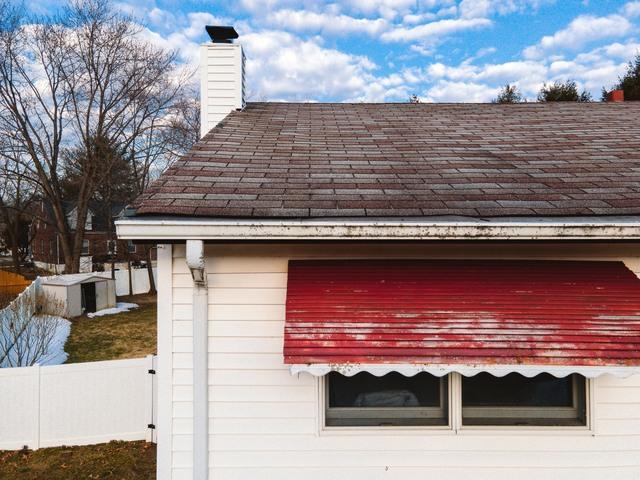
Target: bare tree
(68, 79)
(27, 331)
(17, 195)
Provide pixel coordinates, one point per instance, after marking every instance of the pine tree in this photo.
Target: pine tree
(509, 94)
(563, 92)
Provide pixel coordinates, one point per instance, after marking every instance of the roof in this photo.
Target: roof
(276, 160)
(482, 313)
(73, 279)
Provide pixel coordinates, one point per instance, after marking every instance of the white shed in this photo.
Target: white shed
(80, 293)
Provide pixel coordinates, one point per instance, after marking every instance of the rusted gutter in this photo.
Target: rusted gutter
(541, 228)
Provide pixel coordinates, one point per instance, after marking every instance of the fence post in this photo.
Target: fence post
(38, 403)
(149, 398)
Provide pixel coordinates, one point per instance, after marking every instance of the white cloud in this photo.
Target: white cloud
(631, 9)
(434, 29)
(389, 9)
(448, 91)
(485, 8)
(198, 20)
(304, 20)
(283, 66)
(582, 30)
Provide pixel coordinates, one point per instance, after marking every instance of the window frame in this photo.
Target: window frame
(454, 410)
(529, 412)
(352, 413)
(88, 249)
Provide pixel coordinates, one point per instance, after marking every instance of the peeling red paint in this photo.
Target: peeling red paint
(462, 311)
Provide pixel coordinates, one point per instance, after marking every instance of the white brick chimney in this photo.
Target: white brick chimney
(221, 77)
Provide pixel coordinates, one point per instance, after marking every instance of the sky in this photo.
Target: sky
(388, 50)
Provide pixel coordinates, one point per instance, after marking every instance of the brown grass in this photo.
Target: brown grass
(107, 461)
(124, 335)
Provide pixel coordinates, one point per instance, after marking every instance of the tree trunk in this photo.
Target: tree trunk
(15, 256)
(130, 277)
(152, 282)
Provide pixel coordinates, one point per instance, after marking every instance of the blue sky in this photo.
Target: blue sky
(386, 50)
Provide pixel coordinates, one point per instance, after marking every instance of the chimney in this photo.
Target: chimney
(615, 96)
(221, 77)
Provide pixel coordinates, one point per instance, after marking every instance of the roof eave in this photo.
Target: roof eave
(173, 229)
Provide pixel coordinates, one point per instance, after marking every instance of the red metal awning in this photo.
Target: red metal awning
(468, 316)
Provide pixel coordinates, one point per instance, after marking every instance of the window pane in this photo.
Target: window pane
(518, 400)
(392, 399)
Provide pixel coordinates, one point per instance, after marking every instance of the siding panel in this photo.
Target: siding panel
(264, 422)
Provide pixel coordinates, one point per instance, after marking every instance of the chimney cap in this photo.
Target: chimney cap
(221, 34)
(615, 96)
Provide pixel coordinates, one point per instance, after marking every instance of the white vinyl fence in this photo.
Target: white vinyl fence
(139, 280)
(77, 404)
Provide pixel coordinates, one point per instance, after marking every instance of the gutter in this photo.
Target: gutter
(196, 264)
(427, 228)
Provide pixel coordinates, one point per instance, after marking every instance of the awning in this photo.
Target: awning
(465, 316)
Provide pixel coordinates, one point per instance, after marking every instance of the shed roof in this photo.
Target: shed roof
(74, 279)
(421, 315)
(275, 160)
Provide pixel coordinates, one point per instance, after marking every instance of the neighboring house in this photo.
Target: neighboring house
(99, 246)
(397, 291)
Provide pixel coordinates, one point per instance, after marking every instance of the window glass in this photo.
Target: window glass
(392, 399)
(518, 400)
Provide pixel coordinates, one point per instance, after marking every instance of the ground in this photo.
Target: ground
(125, 335)
(107, 461)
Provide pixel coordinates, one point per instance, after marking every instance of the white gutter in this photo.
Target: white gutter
(196, 264)
(570, 228)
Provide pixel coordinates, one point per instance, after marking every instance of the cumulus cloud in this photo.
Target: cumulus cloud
(304, 20)
(434, 29)
(283, 66)
(449, 91)
(631, 9)
(485, 8)
(581, 31)
(389, 9)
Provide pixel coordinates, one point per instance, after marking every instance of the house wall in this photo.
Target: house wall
(264, 423)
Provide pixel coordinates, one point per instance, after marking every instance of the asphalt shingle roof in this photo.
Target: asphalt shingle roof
(388, 160)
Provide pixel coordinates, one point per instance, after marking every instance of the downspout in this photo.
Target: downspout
(196, 264)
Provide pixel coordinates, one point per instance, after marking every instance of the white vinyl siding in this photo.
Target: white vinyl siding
(265, 423)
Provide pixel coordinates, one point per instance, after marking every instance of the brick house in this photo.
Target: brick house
(100, 244)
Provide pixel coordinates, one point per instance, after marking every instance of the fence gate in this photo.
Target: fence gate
(77, 404)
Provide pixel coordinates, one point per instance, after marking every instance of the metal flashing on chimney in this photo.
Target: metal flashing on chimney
(221, 34)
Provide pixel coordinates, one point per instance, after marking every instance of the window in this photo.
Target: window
(518, 400)
(390, 400)
(131, 247)
(85, 247)
(480, 400)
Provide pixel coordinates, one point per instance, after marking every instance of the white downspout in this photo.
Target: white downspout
(196, 264)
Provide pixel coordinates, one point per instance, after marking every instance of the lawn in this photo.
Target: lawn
(114, 460)
(124, 335)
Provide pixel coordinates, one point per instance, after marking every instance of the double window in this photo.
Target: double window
(480, 400)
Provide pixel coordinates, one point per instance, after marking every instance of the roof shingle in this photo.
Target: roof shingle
(390, 160)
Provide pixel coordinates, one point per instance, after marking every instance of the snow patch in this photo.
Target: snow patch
(121, 307)
(55, 353)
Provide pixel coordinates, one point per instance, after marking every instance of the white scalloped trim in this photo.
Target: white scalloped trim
(410, 370)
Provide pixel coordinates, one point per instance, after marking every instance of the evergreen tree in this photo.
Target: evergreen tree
(630, 81)
(509, 94)
(563, 92)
